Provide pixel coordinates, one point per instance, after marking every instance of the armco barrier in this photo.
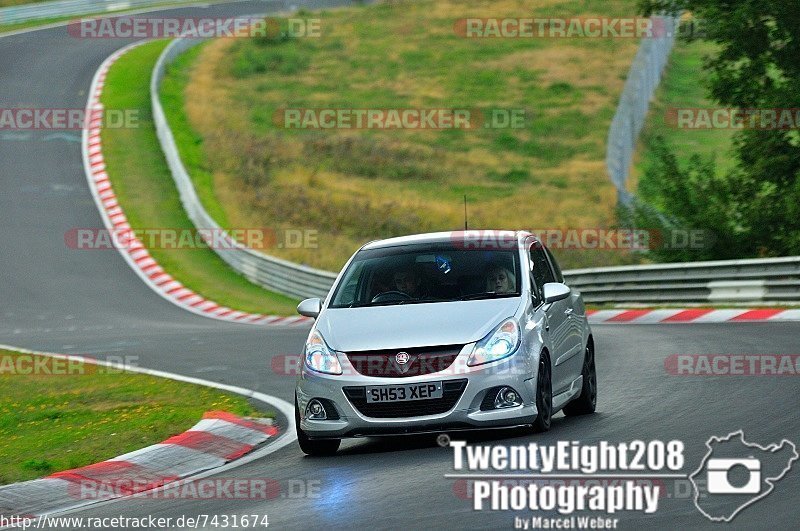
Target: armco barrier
(754, 280)
(270, 272)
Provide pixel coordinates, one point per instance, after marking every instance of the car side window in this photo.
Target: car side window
(541, 274)
(556, 269)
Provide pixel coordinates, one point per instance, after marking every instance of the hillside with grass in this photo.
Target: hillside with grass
(357, 185)
(146, 192)
(683, 86)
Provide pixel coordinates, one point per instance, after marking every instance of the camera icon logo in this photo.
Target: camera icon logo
(719, 482)
(735, 474)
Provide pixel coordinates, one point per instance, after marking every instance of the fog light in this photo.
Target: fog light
(506, 397)
(315, 410)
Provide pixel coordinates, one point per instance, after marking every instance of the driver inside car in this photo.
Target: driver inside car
(408, 281)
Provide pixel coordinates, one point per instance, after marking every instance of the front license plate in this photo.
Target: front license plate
(405, 392)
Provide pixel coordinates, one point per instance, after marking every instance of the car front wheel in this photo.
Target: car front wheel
(310, 446)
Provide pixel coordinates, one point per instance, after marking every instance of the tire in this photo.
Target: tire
(544, 395)
(585, 403)
(313, 447)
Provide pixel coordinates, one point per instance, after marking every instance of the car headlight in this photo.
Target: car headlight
(501, 343)
(319, 357)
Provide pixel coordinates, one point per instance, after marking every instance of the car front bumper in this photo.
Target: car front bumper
(464, 414)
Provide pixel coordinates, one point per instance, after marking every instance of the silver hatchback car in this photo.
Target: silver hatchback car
(443, 332)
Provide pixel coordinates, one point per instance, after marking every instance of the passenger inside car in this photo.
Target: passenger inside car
(500, 280)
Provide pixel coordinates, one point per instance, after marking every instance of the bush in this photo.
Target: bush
(283, 56)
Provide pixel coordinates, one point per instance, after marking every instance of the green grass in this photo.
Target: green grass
(190, 144)
(683, 86)
(82, 414)
(353, 186)
(147, 193)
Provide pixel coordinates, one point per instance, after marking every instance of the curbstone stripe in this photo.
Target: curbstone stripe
(217, 439)
(691, 315)
(114, 218)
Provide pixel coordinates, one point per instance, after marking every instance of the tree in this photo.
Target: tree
(757, 67)
(682, 200)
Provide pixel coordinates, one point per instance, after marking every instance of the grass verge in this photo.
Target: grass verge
(68, 415)
(356, 185)
(683, 86)
(147, 193)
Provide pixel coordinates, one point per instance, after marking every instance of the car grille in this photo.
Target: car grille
(421, 361)
(451, 392)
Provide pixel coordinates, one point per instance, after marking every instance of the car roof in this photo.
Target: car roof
(486, 235)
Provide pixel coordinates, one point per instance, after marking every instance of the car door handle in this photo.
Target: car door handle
(568, 311)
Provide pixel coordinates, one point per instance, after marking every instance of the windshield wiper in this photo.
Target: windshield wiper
(486, 295)
(373, 304)
(470, 297)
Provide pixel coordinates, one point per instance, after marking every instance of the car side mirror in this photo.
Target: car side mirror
(555, 291)
(310, 307)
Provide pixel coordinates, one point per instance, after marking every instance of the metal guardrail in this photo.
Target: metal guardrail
(272, 273)
(643, 79)
(754, 280)
(751, 280)
(66, 8)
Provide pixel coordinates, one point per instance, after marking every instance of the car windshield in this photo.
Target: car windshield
(429, 273)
